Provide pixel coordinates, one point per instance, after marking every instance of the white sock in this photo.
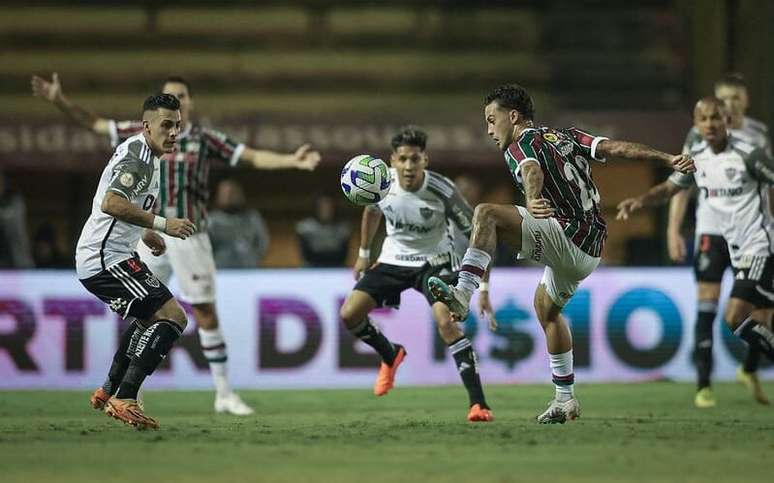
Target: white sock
(214, 349)
(562, 375)
(474, 265)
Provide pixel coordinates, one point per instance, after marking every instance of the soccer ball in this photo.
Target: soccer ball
(365, 180)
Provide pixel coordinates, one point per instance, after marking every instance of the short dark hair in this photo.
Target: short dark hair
(177, 80)
(732, 79)
(409, 136)
(161, 101)
(512, 96)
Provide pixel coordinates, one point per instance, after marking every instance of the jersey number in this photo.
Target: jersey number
(588, 194)
(148, 203)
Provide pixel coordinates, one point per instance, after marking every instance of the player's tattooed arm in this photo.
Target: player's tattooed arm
(657, 195)
(532, 177)
(369, 224)
(760, 164)
(612, 149)
(51, 90)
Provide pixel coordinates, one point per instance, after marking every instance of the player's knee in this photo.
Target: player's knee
(349, 315)
(205, 316)
(448, 330)
(174, 312)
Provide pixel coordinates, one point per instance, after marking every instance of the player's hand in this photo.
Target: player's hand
(306, 159)
(486, 310)
(154, 241)
(683, 163)
(49, 90)
(360, 267)
(540, 208)
(627, 207)
(676, 246)
(179, 228)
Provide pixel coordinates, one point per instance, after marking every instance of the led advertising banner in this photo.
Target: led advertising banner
(282, 330)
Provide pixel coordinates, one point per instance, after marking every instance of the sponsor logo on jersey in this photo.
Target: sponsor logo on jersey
(412, 228)
(411, 258)
(565, 148)
(152, 281)
(537, 252)
(126, 180)
(118, 305)
(140, 186)
(134, 265)
(724, 192)
(426, 213)
(550, 137)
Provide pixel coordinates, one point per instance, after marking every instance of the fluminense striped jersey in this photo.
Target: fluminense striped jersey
(753, 132)
(184, 190)
(419, 223)
(564, 155)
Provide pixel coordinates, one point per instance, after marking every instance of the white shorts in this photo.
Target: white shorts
(543, 241)
(191, 262)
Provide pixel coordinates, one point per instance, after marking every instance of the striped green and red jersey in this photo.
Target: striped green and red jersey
(184, 190)
(564, 156)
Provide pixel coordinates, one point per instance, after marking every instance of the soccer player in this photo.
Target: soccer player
(561, 225)
(108, 266)
(184, 193)
(735, 177)
(419, 210)
(712, 259)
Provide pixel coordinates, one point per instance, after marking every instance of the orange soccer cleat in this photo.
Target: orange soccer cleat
(386, 378)
(99, 398)
(479, 413)
(128, 411)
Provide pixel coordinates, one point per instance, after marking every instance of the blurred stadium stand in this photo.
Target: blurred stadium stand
(342, 73)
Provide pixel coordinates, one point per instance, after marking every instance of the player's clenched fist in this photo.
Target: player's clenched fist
(540, 208)
(179, 228)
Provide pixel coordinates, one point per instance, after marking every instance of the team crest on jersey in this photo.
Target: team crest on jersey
(118, 305)
(126, 180)
(564, 148)
(730, 173)
(426, 213)
(152, 281)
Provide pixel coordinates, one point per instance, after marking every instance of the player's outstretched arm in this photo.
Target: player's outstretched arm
(304, 158)
(612, 149)
(120, 208)
(51, 90)
(657, 195)
(372, 216)
(678, 206)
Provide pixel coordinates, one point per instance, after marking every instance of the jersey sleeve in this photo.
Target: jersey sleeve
(133, 172)
(221, 148)
(588, 143)
(459, 211)
(120, 131)
(760, 165)
(682, 180)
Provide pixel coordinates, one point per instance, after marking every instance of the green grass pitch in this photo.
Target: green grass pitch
(637, 432)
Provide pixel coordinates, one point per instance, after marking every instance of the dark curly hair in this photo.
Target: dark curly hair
(161, 101)
(512, 96)
(409, 136)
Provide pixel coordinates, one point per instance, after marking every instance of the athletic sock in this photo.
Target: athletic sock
(214, 349)
(474, 265)
(758, 336)
(702, 342)
(562, 375)
(154, 345)
(751, 360)
(126, 345)
(371, 335)
(467, 366)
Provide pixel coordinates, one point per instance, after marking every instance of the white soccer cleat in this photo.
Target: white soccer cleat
(457, 300)
(560, 412)
(232, 404)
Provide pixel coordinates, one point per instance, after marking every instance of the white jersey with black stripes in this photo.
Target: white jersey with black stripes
(419, 223)
(132, 172)
(734, 186)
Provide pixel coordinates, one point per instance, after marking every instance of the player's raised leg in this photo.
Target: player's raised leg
(354, 313)
(490, 221)
(466, 362)
(166, 326)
